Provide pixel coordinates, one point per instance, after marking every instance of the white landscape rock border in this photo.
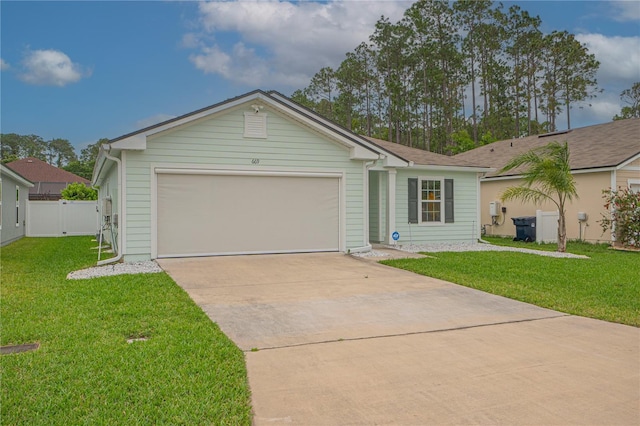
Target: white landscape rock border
(461, 247)
(148, 267)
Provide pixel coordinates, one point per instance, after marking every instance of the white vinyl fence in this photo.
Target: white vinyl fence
(62, 218)
(547, 226)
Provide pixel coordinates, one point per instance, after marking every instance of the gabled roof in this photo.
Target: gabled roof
(601, 146)
(424, 158)
(37, 170)
(359, 147)
(4, 170)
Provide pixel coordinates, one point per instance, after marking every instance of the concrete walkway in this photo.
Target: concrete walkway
(330, 339)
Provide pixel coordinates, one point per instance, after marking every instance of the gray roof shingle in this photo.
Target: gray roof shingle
(422, 157)
(592, 147)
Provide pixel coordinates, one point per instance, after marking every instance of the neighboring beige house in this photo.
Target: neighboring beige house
(602, 156)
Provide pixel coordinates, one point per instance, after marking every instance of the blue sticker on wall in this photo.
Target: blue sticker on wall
(395, 236)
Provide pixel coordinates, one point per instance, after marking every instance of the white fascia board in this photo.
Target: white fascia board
(573, 172)
(630, 160)
(97, 168)
(206, 113)
(363, 143)
(361, 153)
(101, 166)
(357, 151)
(135, 142)
(138, 141)
(15, 176)
(454, 168)
(391, 160)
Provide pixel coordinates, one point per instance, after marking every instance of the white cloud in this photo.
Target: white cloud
(283, 43)
(3, 65)
(619, 57)
(190, 41)
(619, 68)
(154, 119)
(50, 68)
(625, 11)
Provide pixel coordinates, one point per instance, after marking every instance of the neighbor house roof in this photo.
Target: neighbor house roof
(48, 179)
(4, 170)
(422, 157)
(40, 171)
(601, 146)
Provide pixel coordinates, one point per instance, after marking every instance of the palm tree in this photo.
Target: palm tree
(547, 177)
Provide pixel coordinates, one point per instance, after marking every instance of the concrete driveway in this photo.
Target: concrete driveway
(330, 339)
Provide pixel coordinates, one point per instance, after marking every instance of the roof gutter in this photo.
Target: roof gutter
(105, 149)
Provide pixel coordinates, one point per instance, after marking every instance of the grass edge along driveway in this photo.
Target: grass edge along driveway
(85, 372)
(605, 286)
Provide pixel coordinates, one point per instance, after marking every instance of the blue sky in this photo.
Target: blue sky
(87, 70)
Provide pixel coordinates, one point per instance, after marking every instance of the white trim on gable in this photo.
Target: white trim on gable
(360, 150)
(13, 175)
(629, 161)
(390, 160)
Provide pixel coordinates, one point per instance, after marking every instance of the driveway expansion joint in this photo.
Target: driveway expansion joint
(413, 333)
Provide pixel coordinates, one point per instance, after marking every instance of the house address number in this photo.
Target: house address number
(255, 161)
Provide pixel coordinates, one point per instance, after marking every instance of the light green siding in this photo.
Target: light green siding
(108, 187)
(465, 226)
(218, 142)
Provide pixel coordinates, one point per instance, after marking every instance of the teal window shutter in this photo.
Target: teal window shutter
(413, 200)
(448, 201)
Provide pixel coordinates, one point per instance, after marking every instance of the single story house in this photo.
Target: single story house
(602, 156)
(260, 173)
(48, 180)
(14, 190)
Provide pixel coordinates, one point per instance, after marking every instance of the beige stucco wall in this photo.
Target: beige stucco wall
(590, 201)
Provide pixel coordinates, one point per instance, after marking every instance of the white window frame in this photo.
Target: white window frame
(633, 182)
(421, 201)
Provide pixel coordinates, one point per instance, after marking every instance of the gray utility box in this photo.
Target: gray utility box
(525, 228)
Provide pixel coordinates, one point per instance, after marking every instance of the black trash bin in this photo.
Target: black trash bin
(525, 228)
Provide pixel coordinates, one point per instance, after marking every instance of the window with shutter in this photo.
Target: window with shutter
(413, 200)
(430, 200)
(448, 201)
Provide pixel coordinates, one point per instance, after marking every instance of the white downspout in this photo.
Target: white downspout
(106, 148)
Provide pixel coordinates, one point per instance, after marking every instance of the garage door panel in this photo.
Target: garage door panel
(214, 214)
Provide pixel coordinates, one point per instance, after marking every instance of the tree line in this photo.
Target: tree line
(450, 76)
(57, 152)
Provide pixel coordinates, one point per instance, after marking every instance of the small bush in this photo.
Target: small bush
(624, 222)
(79, 191)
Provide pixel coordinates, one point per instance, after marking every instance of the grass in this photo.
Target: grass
(606, 286)
(187, 372)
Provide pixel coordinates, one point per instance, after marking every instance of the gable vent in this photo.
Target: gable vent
(255, 125)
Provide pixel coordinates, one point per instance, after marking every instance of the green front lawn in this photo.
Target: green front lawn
(606, 286)
(85, 372)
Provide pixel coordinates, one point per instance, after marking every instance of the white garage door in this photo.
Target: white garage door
(201, 215)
